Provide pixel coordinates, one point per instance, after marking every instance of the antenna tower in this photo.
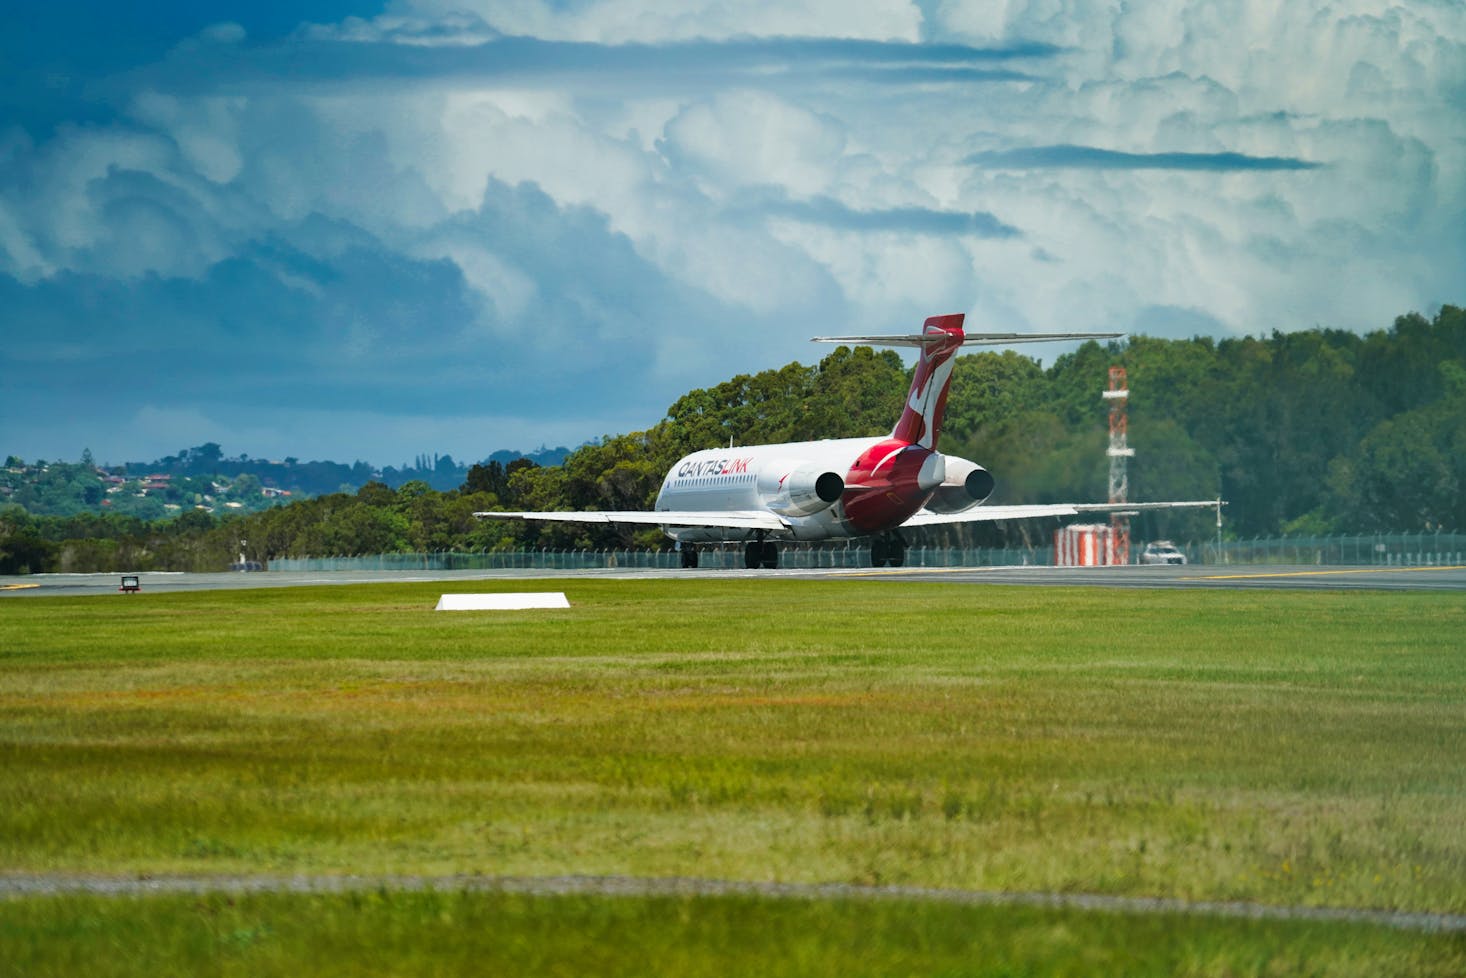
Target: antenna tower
(1118, 396)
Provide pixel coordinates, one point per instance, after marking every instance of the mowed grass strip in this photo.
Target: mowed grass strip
(434, 934)
(1279, 747)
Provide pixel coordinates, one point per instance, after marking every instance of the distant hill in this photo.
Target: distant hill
(318, 478)
(204, 477)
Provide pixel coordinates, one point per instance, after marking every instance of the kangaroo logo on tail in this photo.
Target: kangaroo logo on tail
(921, 419)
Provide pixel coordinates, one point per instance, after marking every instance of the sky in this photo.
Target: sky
(373, 230)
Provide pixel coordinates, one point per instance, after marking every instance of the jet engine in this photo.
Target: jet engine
(965, 485)
(793, 488)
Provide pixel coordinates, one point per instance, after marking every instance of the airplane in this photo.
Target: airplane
(847, 487)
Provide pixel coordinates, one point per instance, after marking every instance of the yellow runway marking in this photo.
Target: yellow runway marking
(1321, 573)
(17, 587)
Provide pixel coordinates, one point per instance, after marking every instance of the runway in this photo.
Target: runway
(1283, 577)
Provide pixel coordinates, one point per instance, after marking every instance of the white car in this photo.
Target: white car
(1162, 552)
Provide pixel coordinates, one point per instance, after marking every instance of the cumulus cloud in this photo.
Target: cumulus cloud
(753, 138)
(459, 209)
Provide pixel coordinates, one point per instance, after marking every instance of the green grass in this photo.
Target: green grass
(432, 934)
(1280, 747)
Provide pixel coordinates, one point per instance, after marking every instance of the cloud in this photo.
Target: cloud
(1171, 322)
(1090, 157)
(325, 319)
(466, 52)
(618, 21)
(539, 214)
(751, 138)
(829, 213)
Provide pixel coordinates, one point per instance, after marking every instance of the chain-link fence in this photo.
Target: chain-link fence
(790, 555)
(1427, 549)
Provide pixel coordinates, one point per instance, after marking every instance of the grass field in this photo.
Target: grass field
(1286, 748)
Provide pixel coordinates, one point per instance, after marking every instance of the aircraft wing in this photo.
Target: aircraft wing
(988, 514)
(735, 520)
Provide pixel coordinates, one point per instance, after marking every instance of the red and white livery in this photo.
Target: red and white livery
(841, 488)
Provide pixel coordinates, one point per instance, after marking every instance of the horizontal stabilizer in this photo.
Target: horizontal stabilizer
(970, 339)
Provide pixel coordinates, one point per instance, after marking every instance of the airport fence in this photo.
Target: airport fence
(1430, 548)
(1426, 549)
(790, 555)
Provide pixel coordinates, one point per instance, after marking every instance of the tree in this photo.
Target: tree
(856, 392)
(1409, 472)
(1170, 464)
(22, 549)
(490, 479)
(1317, 429)
(376, 494)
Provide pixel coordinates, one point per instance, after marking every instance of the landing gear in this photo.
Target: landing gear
(689, 556)
(887, 549)
(761, 553)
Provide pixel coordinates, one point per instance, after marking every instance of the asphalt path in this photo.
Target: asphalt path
(1307, 577)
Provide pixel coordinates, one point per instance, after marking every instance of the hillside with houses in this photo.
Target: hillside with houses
(67, 488)
(204, 479)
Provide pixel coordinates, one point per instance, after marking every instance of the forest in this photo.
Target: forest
(1307, 432)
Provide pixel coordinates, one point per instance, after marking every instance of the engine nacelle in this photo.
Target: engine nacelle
(966, 485)
(796, 488)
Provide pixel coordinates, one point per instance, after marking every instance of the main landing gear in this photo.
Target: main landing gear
(761, 553)
(888, 549)
(758, 553)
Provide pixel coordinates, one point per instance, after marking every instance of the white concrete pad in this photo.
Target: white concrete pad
(502, 602)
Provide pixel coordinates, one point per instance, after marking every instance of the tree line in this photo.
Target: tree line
(1310, 432)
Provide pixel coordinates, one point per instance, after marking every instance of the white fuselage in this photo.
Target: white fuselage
(758, 477)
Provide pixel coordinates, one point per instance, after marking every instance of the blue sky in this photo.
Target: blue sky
(346, 230)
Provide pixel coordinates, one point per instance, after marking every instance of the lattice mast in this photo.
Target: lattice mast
(1119, 452)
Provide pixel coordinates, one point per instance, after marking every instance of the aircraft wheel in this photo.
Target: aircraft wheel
(770, 556)
(689, 556)
(753, 555)
(896, 554)
(878, 553)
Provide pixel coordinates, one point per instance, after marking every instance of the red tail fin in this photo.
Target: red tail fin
(921, 420)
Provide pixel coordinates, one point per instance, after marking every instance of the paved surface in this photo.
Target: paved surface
(1195, 576)
(1198, 576)
(631, 886)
